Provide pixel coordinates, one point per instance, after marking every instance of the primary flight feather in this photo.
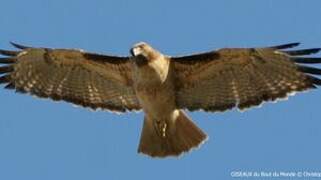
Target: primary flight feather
(162, 86)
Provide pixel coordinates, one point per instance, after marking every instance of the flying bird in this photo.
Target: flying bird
(162, 86)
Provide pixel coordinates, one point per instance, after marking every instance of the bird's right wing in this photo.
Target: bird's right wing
(86, 79)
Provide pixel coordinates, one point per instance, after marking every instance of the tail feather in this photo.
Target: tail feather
(183, 136)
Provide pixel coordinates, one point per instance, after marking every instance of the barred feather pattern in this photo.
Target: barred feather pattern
(74, 76)
(242, 78)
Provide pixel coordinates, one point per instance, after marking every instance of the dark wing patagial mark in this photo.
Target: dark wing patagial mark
(202, 57)
(105, 58)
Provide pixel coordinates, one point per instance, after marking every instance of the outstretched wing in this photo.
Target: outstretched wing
(244, 77)
(86, 79)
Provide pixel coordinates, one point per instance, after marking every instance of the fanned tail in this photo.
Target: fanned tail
(184, 135)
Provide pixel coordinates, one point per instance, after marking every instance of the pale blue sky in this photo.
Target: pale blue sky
(42, 140)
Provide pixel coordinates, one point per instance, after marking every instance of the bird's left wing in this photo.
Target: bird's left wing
(86, 79)
(244, 77)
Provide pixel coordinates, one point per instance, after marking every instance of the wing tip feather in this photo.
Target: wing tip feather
(301, 52)
(8, 53)
(309, 70)
(18, 46)
(286, 46)
(6, 69)
(306, 60)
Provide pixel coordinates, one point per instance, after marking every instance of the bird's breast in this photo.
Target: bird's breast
(156, 100)
(155, 96)
(151, 70)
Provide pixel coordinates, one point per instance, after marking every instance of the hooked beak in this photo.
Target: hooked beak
(135, 51)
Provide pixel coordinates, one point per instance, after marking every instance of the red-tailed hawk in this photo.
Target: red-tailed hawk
(162, 86)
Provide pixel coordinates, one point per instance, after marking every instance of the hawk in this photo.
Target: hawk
(162, 86)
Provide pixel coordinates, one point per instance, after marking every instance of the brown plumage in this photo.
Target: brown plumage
(162, 86)
(242, 78)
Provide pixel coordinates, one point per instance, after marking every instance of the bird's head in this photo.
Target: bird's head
(143, 53)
